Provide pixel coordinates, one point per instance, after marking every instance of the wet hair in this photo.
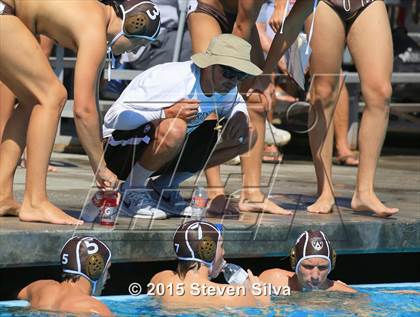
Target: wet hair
(185, 266)
(68, 277)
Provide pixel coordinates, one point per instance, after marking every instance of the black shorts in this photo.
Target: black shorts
(195, 152)
(124, 148)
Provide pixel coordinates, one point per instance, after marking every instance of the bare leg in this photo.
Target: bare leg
(8, 100)
(42, 97)
(326, 61)
(202, 29)
(341, 126)
(169, 136)
(372, 26)
(252, 199)
(8, 206)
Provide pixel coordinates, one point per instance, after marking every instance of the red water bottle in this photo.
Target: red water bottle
(109, 208)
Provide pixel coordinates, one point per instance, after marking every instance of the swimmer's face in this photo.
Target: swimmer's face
(313, 273)
(225, 78)
(100, 285)
(219, 259)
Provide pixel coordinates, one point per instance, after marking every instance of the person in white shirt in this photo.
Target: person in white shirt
(158, 126)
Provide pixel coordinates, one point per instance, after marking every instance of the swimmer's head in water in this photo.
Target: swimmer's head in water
(140, 19)
(197, 241)
(87, 257)
(312, 244)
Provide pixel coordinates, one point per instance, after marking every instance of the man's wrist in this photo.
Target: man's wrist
(97, 164)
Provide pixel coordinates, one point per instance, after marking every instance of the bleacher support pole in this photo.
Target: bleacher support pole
(182, 4)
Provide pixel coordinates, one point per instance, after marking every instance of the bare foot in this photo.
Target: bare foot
(261, 204)
(323, 205)
(370, 202)
(51, 168)
(9, 207)
(47, 212)
(346, 157)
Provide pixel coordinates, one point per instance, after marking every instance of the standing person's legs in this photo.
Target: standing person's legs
(325, 64)
(203, 28)
(371, 33)
(252, 199)
(341, 127)
(47, 46)
(41, 98)
(7, 101)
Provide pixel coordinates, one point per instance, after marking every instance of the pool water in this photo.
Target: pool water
(372, 300)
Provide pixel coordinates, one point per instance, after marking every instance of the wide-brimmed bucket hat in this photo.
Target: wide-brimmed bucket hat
(228, 50)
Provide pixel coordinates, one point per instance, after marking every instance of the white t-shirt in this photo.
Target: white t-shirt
(160, 87)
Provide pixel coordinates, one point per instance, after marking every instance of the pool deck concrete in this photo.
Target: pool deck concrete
(291, 184)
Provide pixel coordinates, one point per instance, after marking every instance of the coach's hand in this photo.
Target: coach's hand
(105, 179)
(185, 109)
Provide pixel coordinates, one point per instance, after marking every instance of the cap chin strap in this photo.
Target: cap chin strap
(111, 57)
(116, 37)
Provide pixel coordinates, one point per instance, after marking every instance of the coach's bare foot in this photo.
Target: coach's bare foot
(260, 203)
(9, 207)
(47, 212)
(370, 202)
(323, 205)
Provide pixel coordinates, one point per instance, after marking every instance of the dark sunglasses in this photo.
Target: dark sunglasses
(232, 73)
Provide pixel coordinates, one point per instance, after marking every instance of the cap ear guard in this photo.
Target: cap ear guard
(134, 24)
(95, 266)
(200, 246)
(207, 249)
